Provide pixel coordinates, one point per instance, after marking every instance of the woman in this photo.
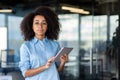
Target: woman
(40, 30)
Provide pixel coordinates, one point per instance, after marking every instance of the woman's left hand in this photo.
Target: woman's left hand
(64, 58)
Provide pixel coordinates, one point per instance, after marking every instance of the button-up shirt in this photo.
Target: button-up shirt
(35, 53)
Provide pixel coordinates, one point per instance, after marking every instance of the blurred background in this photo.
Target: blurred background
(86, 25)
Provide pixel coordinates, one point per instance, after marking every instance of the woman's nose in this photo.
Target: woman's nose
(40, 25)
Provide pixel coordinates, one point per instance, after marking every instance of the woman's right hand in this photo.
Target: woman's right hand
(49, 62)
(34, 71)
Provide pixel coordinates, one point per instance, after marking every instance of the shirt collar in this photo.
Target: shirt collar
(35, 40)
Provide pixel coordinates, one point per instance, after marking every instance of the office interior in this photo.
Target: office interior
(92, 34)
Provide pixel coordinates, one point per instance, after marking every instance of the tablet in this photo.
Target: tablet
(64, 50)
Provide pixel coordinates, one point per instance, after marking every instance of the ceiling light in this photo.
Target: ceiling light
(71, 8)
(81, 12)
(6, 10)
(76, 10)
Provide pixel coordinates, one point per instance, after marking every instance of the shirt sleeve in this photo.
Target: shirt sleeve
(24, 63)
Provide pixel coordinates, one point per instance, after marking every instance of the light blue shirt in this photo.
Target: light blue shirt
(35, 53)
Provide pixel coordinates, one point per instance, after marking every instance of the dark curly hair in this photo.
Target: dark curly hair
(52, 21)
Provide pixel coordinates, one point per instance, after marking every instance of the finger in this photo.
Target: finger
(62, 56)
(51, 60)
(66, 55)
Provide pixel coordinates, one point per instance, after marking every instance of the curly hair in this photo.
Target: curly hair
(52, 21)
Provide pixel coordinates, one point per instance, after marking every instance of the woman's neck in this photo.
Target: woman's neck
(40, 37)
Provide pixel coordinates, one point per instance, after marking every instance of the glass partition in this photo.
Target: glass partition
(69, 38)
(2, 20)
(94, 33)
(3, 33)
(15, 38)
(3, 39)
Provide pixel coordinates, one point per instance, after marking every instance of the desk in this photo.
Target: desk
(7, 61)
(5, 68)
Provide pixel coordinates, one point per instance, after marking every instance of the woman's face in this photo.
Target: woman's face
(39, 25)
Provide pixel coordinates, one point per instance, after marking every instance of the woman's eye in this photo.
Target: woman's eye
(36, 23)
(44, 23)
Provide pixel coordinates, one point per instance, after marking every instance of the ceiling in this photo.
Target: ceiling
(96, 7)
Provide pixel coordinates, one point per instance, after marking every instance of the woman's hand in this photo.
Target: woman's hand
(49, 62)
(34, 71)
(64, 58)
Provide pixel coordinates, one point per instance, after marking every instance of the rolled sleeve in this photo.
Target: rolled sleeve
(24, 63)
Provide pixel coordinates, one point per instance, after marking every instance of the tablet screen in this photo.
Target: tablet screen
(64, 50)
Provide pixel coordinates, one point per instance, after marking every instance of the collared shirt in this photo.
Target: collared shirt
(35, 53)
